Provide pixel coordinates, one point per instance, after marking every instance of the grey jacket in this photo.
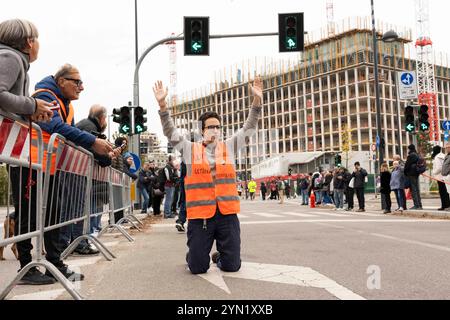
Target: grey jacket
(14, 82)
(397, 179)
(446, 166)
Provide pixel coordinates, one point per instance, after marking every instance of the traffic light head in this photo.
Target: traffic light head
(410, 125)
(337, 161)
(290, 32)
(140, 120)
(125, 120)
(196, 36)
(423, 118)
(116, 115)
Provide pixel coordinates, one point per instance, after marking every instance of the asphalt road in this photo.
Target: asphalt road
(289, 252)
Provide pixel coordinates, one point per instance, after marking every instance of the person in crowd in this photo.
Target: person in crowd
(169, 180)
(19, 47)
(385, 189)
(211, 197)
(143, 185)
(303, 185)
(413, 176)
(446, 165)
(360, 174)
(252, 186)
(317, 185)
(339, 188)
(327, 177)
(281, 189)
(402, 163)
(263, 189)
(397, 185)
(349, 191)
(239, 190)
(273, 190)
(438, 161)
(176, 193)
(61, 89)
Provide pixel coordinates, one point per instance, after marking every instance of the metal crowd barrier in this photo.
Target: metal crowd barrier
(119, 191)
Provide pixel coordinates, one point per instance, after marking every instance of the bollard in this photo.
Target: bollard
(312, 200)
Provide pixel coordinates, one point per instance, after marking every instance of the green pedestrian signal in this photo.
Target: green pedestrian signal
(410, 125)
(139, 120)
(196, 36)
(290, 32)
(424, 124)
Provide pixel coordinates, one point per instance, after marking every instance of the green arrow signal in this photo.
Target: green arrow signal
(410, 127)
(139, 129)
(196, 46)
(291, 43)
(424, 127)
(125, 129)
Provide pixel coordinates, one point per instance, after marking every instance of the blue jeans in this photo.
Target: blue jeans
(326, 197)
(305, 197)
(401, 198)
(168, 201)
(318, 197)
(146, 197)
(339, 199)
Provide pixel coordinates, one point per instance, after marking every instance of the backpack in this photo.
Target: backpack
(421, 165)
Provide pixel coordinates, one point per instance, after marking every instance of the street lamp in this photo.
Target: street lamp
(380, 138)
(390, 37)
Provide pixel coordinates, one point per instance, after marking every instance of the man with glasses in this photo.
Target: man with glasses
(62, 88)
(212, 201)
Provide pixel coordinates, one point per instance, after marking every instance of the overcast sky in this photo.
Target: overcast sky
(97, 36)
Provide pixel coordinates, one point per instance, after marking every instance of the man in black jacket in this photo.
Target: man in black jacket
(413, 176)
(360, 179)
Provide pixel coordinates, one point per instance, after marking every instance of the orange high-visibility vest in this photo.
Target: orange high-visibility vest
(203, 194)
(67, 114)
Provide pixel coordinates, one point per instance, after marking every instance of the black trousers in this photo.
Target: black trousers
(360, 195)
(156, 204)
(386, 202)
(349, 197)
(27, 222)
(445, 198)
(225, 229)
(263, 195)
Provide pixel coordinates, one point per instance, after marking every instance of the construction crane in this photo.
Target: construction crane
(331, 26)
(173, 72)
(426, 79)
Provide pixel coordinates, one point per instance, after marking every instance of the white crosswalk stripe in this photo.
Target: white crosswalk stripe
(297, 214)
(266, 215)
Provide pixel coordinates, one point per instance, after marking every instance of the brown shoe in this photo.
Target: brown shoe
(361, 210)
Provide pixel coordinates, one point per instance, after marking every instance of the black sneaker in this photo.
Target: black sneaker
(86, 251)
(180, 227)
(69, 274)
(215, 257)
(35, 278)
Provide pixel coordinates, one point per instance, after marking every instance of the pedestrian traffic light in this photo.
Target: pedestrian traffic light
(196, 36)
(139, 120)
(291, 32)
(424, 125)
(337, 161)
(290, 171)
(410, 125)
(122, 117)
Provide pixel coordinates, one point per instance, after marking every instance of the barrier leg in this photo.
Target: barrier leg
(52, 269)
(121, 230)
(77, 241)
(136, 219)
(121, 221)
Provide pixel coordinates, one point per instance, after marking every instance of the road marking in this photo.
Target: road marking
(41, 295)
(325, 220)
(424, 244)
(265, 215)
(292, 275)
(83, 262)
(296, 214)
(243, 216)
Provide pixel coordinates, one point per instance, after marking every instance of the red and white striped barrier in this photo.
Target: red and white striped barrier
(73, 161)
(14, 139)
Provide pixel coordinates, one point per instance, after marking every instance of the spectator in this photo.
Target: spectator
(339, 188)
(327, 178)
(239, 190)
(143, 185)
(303, 186)
(385, 189)
(413, 176)
(176, 193)
(438, 161)
(263, 191)
(169, 179)
(349, 191)
(183, 214)
(401, 163)
(317, 185)
(360, 179)
(273, 190)
(446, 166)
(398, 185)
(252, 189)
(19, 46)
(281, 188)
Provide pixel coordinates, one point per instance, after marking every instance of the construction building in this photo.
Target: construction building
(328, 93)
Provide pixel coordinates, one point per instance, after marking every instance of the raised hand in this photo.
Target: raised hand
(160, 94)
(257, 91)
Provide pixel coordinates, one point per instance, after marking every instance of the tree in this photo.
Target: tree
(346, 142)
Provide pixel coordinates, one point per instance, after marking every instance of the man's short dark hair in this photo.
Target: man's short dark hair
(206, 116)
(357, 164)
